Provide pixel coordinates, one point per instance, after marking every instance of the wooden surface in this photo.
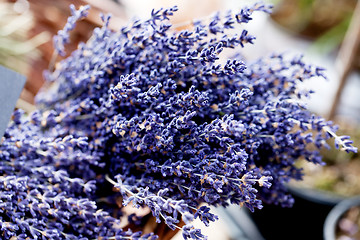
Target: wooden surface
(347, 57)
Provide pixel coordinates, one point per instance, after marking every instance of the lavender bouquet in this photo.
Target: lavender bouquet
(150, 116)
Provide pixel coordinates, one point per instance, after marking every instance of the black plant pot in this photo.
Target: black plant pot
(304, 220)
(335, 214)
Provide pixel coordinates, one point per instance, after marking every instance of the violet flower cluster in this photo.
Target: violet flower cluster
(151, 116)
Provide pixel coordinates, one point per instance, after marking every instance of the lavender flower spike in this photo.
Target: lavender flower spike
(62, 37)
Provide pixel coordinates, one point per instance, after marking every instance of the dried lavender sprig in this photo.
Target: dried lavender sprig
(39, 199)
(62, 37)
(165, 208)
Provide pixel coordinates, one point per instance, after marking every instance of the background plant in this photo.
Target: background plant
(15, 47)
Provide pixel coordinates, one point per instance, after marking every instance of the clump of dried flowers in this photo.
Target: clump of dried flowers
(149, 114)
